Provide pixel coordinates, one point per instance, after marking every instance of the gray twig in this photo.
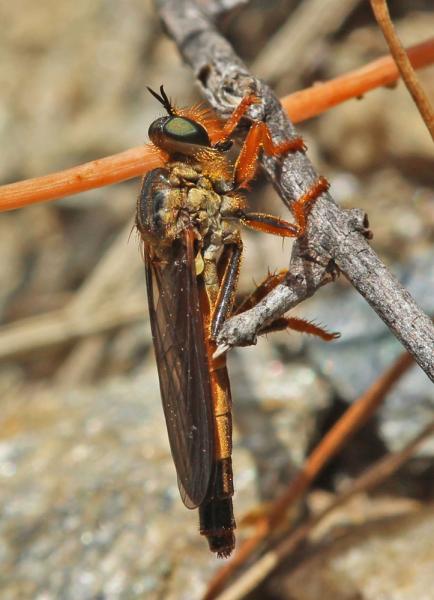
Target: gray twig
(335, 237)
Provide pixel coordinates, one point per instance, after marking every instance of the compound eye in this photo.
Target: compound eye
(156, 129)
(187, 131)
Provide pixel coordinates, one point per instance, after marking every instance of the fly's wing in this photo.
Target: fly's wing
(178, 334)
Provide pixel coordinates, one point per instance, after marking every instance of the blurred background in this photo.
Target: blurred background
(89, 505)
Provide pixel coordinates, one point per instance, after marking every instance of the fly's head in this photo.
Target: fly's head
(177, 134)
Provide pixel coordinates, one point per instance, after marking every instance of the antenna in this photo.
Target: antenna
(162, 99)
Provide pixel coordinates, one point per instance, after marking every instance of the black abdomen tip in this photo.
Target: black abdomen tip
(217, 524)
(222, 543)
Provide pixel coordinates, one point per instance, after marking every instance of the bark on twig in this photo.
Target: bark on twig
(334, 237)
(218, 8)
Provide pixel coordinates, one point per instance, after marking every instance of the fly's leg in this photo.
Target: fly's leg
(270, 282)
(231, 124)
(277, 226)
(300, 207)
(282, 323)
(230, 260)
(257, 138)
(300, 325)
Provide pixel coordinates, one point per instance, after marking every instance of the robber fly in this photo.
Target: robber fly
(189, 215)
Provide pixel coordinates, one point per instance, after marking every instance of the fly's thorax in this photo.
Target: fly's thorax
(230, 207)
(202, 202)
(209, 174)
(184, 173)
(171, 215)
(203, 208)
(181, 196)
(208, 168)
(199, 199)
(217, 167)
(213, 215)
(153, 196)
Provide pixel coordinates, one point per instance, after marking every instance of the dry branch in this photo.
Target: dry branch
(96, 173)
(218, 8)
(335, 236)
(343, 430)
(64, 326)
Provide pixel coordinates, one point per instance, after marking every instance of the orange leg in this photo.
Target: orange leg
(236, 116)
(269, 224)
(257, 138)
(269, 283)
(282, 323)
(300, 208)
(300, 325)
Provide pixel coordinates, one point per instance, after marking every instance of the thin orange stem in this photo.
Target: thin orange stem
(312, 101)
(137, 161)
(97, 173)
(352, 420)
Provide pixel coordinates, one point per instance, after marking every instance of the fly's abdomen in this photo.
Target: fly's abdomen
(216, 516)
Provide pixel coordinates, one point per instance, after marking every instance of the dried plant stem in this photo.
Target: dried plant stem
(104, 302)
(137, 161)
(64, 326)
(403, 63)
(350, 422)
(344, 429)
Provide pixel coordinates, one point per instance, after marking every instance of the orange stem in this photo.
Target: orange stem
(312, 101)
(137, 161)
(97, 173)
(351, 421)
